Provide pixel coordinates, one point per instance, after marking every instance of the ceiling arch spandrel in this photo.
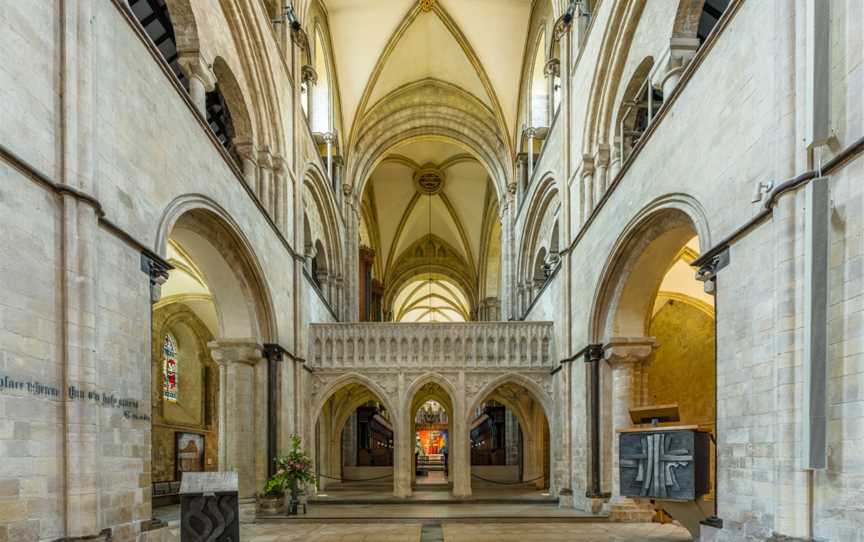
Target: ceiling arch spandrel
(356, 52)
(380, 45)
(427, 49)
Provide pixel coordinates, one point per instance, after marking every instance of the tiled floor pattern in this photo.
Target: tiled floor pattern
(462, 532)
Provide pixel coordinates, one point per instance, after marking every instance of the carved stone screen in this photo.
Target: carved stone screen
(664, 464)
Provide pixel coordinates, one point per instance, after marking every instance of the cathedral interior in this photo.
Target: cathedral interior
(475, 269)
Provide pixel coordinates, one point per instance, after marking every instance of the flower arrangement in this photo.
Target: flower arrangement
(296, 466)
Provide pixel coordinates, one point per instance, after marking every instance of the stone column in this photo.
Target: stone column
(238, 397)
(521, 176)
(403, 453)
(586, 196)
(601, 163)
(682, 49)
(280, 193)
(330, 140)
(247, 153)
(624, 355)
(265, 179)
(508, 275)
(351, 310)
(460, 453)
(201, 78)
(530, 132)
(615, 163)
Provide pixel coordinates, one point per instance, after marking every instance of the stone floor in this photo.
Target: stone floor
(465, 532)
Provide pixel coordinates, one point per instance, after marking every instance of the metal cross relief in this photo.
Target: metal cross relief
(657, 463)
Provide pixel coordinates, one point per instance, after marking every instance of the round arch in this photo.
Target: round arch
(236, 280)
(621, 306)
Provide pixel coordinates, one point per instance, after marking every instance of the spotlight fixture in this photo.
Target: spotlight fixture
(291, 17)
(571, 10)
(572, 7)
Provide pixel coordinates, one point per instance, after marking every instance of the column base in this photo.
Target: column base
(625, 510)
(402, 492)
(247, 509)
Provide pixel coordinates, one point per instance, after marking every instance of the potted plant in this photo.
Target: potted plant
(297, 467)
(270, 500)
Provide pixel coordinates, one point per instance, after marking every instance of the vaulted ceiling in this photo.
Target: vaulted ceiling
(404, 215)
(380, 45)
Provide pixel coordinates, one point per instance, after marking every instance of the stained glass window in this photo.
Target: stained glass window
(169, 369)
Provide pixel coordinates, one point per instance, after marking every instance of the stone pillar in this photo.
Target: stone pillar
(324, 284)
(351, 310)
(403, 453)
(601, 163)
(460, 453)
(265, 176)
(281, 192)
(247, 153)
(508, 252)
(682, 49)
(624, 355)
(521, 176)
(201, 78)
(330, 139)
(530, 132)
(615, 163)
(586, 196)
(238, 398)
(338, 165)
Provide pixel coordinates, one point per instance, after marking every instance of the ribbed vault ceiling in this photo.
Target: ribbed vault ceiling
(380, 45)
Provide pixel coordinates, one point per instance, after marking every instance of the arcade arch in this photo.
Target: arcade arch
(657, 327)
(212, 398)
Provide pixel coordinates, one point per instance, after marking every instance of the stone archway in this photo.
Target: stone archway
(526, 401)
(217, 278)
(337, 407)
(433, 385)
(649, 292)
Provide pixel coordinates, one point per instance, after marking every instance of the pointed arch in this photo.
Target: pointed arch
(428, 109)
(456, 32)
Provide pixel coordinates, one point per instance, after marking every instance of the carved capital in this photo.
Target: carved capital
(552, 68)
(587, 165)
(245, 148)
(279, 163)
(265, 158)
(228, 351)
(601, 155)
(193, 65)
(629, 349)
(308, 74)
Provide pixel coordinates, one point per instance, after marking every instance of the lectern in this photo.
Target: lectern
(666, 463)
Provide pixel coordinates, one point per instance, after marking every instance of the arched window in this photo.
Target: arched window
(170, 388)
(538, 106)
(641, 101)
(219, 119)
(321, 95)
(156, 21)
(712, 10)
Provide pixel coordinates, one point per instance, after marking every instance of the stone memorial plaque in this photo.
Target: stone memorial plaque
(209, 508)
(664, 464)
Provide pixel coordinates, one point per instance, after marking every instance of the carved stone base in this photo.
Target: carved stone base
(247, 510)
(630, 511)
